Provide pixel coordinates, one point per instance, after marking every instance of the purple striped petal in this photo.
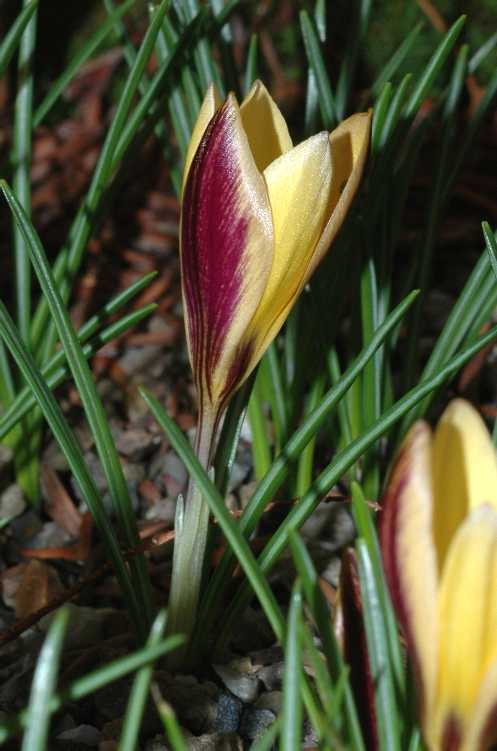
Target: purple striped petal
(226, 253)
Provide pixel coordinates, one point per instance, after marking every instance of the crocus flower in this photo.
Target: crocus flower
(258, 215)
(439, 543)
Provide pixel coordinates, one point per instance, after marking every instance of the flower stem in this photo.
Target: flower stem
(191, 527)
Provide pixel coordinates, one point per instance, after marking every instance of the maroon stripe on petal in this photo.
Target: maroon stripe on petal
(213, 238)
(389, 538)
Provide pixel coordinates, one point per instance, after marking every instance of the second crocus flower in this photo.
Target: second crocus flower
(439, 543)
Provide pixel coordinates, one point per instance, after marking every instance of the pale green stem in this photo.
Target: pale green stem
(191, 527)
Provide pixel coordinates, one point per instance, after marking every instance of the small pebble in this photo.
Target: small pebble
(255, 721)
(12, 502)
(229, 710)
(244, 686)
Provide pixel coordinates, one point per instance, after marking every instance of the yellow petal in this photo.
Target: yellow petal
(349, 149)
(265, 126)
(409, 556)
(210, 105)
(482, 730)
(226, 254)
(298, 184)
(464, 470)
(467, 615)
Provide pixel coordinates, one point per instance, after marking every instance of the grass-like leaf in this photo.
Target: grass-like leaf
(92, 405)
(378, 653)
(81, 56)
(316, 63)
(291, 451)
(391, 66)
(434, 66)
(216, 503)
(97, 679)
(14, 34)
(169, 721)
(291, 718)
(336, 469)
(491, 244)
(251, 67)
(314, 598)
(70, 256)
(55, 371)
(37, 720)
(128, 740)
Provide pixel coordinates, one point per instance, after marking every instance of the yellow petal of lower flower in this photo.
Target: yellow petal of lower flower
(265, 126)
(349, 149)
(210, 105)
(467, 620)
(482, 730)
(409, 556)
(298, 184)
(464, 470)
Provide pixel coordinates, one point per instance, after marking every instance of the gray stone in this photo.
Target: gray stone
(229, 710)
(196, 704)
(136, 444)
(255, 721)
(12, 502)
(215, 742)
(270, 700)
(86, 625)
(50, 536)
(86, 735)
(6, 458)
(242, 685)
(272, 675)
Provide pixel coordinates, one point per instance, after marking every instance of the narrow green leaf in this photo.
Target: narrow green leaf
(306, 459)
(70, 256)
(81, 56)
(321, 615)
(481, 53)
(56, 371)
(261, 451)
(13, 36)
(434, 66)
(37, 721)
(391, 67)
(92, 682)
(378, 653)
(491, 243)
(273, 391)
(291, 718)
(266, 741)
(332, 474)
(216, 503)
(316, 62)
(381, 109)
(269, 485)
(359, 26)
(230, 434)
(169, 721)
(128, 740)
(91, 401)
(251, 64)
(22, 146)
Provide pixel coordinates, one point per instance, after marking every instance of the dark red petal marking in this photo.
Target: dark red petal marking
(213, 239)
(389, 536)
(452, 737)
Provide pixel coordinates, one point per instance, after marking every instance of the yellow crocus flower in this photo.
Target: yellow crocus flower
(439, 543)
